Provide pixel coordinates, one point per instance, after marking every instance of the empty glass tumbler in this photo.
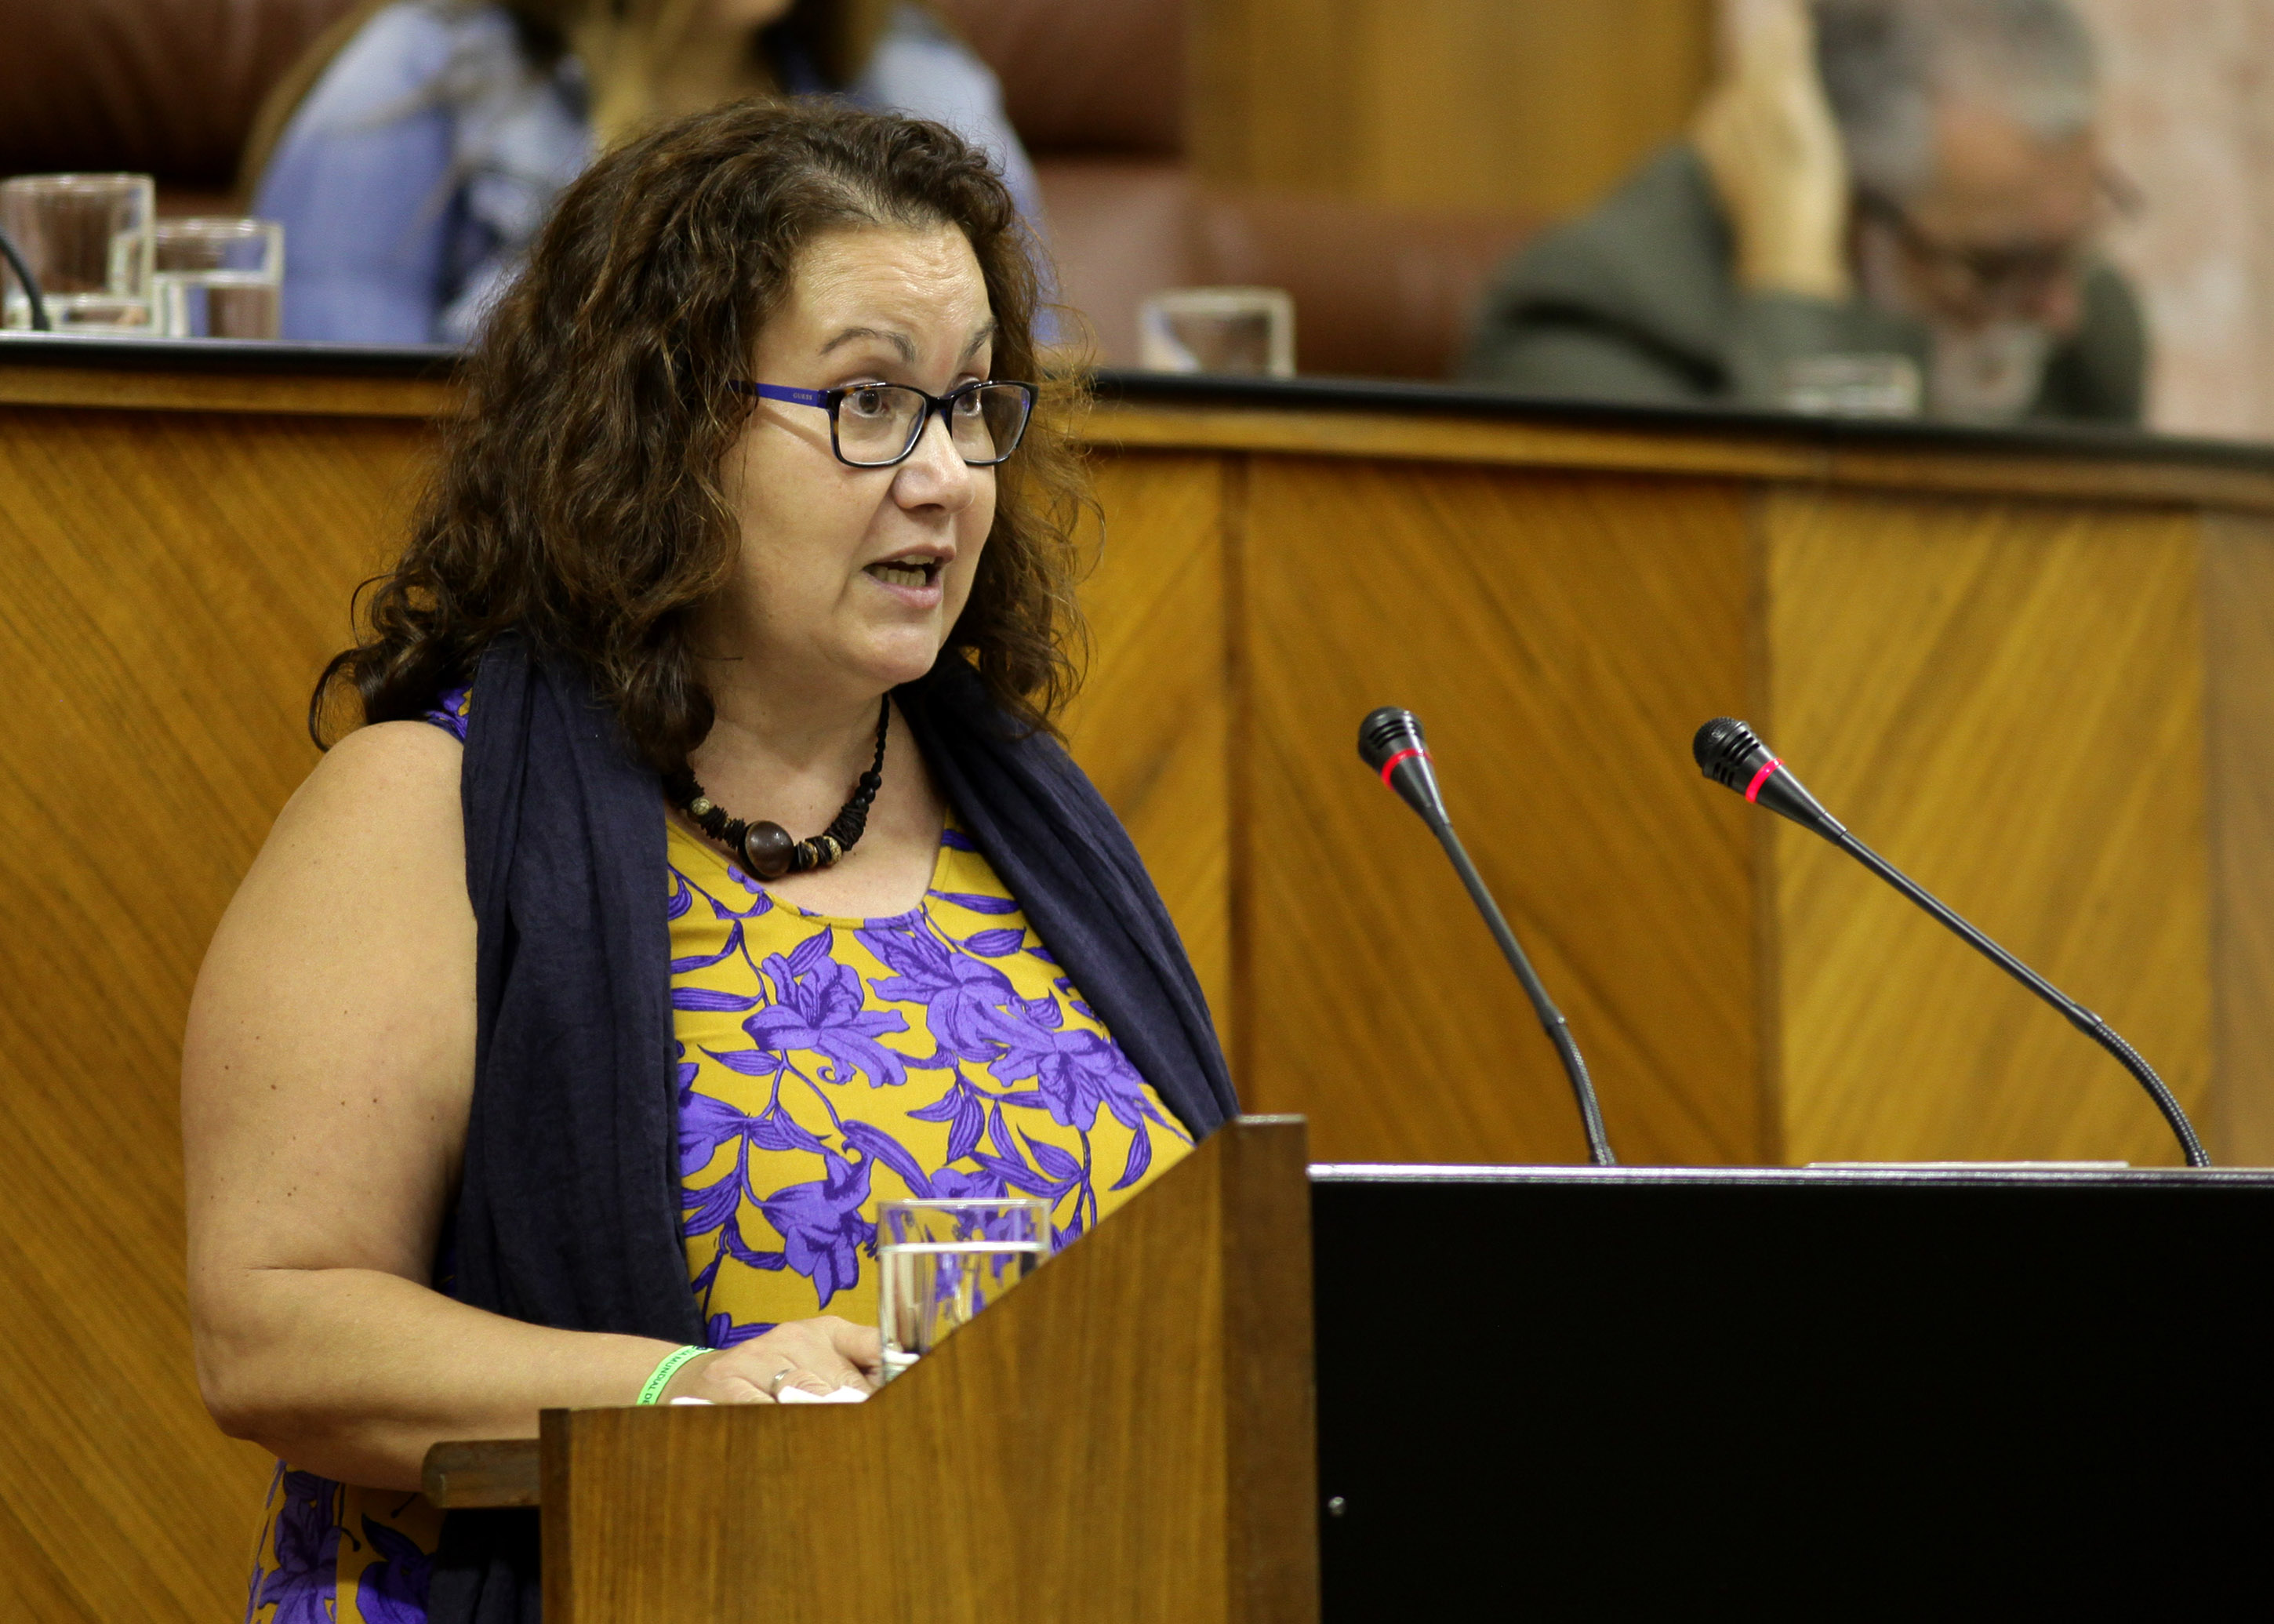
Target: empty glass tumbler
(218, 278)
(941, 1262)
(86, 239)
(1239, 331)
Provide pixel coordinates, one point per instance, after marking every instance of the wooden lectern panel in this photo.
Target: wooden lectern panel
(1128, 1436)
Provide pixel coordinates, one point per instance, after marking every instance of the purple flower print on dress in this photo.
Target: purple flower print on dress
(963, 995)
(759, 902)
(976, 902)
(822, 1230)
(1052, 1174)
(964, 1110)
(1075, 1073)
(818, 1007)
(703, 961)
(878, 1146)
(303, 1585)
(393, 1590)
(704, 1125)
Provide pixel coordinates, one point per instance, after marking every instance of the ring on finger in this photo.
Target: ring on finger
(779, 1379)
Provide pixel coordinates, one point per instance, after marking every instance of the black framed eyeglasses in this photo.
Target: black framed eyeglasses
(878, 424)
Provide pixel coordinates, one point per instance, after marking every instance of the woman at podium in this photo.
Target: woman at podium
(705, 869)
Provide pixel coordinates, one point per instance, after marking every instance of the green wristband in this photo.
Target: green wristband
(666, 1370)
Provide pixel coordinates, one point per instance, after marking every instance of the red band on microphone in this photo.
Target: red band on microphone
(1400, 756)
(1761, 778)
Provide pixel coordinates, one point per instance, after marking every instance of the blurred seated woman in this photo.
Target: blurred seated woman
(413, 173)
(706, 871)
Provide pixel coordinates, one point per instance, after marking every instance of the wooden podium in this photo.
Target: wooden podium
(1127, 1436)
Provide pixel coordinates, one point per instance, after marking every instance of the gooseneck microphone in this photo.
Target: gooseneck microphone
(1390, 742)
(1730, 753)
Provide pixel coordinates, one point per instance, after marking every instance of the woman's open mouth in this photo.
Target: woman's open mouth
(918, 573)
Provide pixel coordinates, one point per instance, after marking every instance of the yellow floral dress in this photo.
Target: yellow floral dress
(824, 1065)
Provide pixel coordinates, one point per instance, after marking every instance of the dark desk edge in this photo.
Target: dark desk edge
(1990, 1175)
(229, 357)
(1351, 395)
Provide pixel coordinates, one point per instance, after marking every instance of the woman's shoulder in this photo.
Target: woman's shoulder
(417, 762)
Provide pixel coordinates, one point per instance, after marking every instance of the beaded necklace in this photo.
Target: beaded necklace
(767, 849)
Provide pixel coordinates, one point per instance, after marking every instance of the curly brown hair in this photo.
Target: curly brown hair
(579, 503)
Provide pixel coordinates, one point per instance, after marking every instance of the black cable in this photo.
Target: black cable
(1551, 1018)
(32, 293)
(2083, 1019)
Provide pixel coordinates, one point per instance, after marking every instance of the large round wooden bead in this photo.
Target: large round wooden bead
(766, 850)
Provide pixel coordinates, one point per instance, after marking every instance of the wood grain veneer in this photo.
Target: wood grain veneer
(2006, 701)
(1152, 729)
(1559, 636)
(1537, 106)
(2238, 610)
(169, 585)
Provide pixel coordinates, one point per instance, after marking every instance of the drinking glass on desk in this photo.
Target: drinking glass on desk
(1230, 331)
(1851, 385)
(939, 1262)
(218, 278)
(86, 239)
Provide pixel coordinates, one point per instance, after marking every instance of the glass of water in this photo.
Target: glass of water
(218, 278)
(86, 239)
(941, 1262)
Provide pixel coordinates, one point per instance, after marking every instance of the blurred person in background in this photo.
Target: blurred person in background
(1919, 178)
(415, 170)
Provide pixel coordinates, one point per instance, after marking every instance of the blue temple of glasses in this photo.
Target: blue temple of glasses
(782, 392)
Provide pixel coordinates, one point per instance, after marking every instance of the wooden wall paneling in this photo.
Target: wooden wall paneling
(2238, 580)
(169, 586)
(1151, 727)
(1561, 636)
(2004, 700)
(1527, 107)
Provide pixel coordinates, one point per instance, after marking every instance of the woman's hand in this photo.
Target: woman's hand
(818, 1356)
(1768, 140)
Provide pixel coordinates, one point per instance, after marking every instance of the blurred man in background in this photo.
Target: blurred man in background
(1916, 183)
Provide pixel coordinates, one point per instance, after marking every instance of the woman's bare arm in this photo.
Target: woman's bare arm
(326, 1078)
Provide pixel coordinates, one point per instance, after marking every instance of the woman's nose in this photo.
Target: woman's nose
(935, 474)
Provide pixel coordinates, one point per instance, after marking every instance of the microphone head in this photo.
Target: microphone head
(1730, 753)
(1387, 731)
(1390, 743)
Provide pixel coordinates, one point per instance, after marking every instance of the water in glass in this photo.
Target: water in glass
(941, 1262)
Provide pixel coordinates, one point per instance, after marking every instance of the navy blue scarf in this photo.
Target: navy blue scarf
(569, 1211)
